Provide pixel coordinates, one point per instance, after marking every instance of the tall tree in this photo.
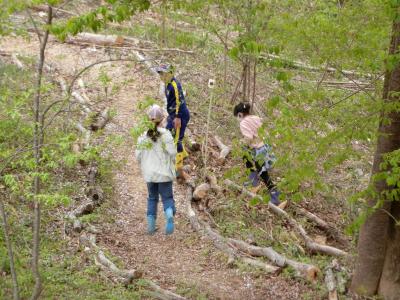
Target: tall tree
(377, 269)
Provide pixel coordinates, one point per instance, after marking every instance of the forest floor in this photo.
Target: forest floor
(184, 262)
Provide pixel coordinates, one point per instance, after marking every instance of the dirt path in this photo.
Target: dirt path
(181, 262)
(184, 262)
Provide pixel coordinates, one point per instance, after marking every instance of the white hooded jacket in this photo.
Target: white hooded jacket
(157, 159)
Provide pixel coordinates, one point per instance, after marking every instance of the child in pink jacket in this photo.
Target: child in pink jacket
(259, 158)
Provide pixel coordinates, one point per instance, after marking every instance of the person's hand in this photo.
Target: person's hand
(177, 123)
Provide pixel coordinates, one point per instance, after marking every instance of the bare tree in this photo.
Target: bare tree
(37, 144)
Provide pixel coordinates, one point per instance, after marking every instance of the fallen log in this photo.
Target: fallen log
(330, 230)
(218, 240)
(160, 293)
(193, 145)
(85, 133)
(126, 275)
(83, 90)
(96, 39)
(201, 191)
(310, 244)
(81, 101)
(330, 282)
(224, 149)
(14, 58)
(93, 191)
(58, 12)
(83, 209)
(304, 66)
(212, 180)
(17, 62)
(260, 264)
(307, 271)
(101, 120)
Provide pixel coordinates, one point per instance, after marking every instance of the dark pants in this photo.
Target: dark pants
(184, 121)
(255, 166)
(159, 188)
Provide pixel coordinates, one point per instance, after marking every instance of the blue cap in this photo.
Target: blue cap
(164, 69)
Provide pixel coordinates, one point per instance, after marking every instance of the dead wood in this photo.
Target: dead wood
(83, 209)
(262, 265)
(224, 149)
(310, 244)
(329, 229)
(58, 12)
(218, 240)
(201, 191)
(96, 39)
(93, 191)
(81, 101)
(304, 66)
(117, 41)
(17, 62)
(14, 58)
(212, 180)
(330, 282)
(126, 275)
(85, 133)
(310, 272)
(100, 120)
(193, 145)
(160, 293)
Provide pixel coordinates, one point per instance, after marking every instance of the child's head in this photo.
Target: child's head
(241, 110)
(155, 114)
(166, 72)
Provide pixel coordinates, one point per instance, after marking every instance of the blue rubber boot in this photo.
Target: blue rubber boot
(253, 179)
(169, 224)
(275, 197)
(151, 224)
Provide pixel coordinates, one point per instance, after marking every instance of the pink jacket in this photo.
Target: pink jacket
(249, 127)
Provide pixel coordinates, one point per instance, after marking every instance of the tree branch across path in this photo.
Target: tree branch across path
(310, 244)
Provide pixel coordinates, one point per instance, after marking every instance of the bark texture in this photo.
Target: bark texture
(379, 241)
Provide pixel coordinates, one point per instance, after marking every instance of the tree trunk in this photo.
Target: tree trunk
(245, 79)
(379, 241)
(389, 285)
(37, 143)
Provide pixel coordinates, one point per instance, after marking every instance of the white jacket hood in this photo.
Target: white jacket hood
(157, 159)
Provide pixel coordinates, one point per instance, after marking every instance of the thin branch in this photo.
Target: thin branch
(34, 26)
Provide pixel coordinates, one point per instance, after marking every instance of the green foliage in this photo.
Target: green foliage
(144, 123)
(112, 11)
(65, 274)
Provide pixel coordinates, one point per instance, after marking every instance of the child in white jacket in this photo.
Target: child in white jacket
(156, 153)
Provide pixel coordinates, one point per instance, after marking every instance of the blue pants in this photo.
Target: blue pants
(184, 121)
(159, 188)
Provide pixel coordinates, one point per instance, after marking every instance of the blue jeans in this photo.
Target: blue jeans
(159, 188)
(184, 121)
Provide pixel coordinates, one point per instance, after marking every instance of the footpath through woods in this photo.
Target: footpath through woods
(185, 263)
